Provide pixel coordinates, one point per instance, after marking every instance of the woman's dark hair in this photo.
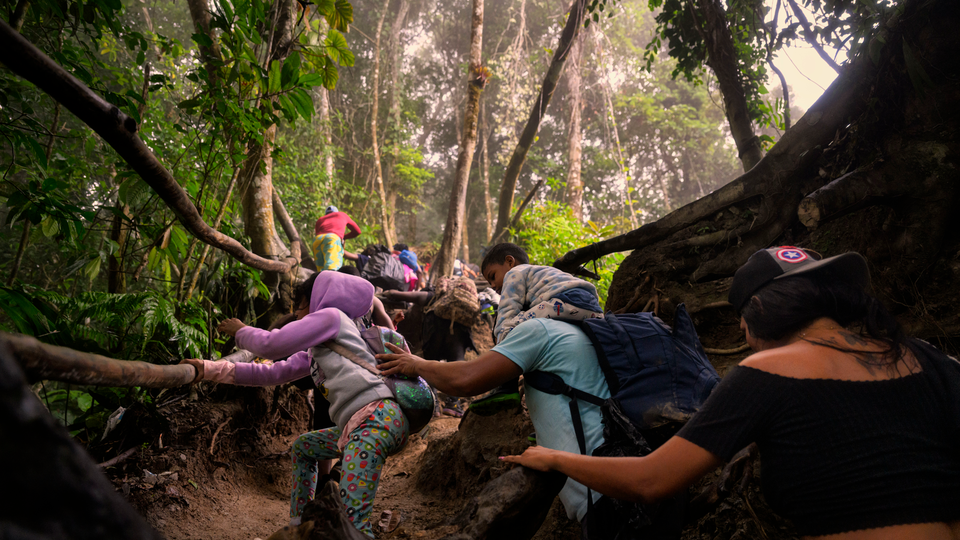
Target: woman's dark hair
(349, 269)
(786, 306)
(304, 291)
(498, 255)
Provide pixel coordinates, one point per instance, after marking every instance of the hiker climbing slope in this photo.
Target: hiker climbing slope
(331, 230)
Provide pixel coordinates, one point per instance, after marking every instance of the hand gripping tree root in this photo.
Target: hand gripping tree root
(883, 141)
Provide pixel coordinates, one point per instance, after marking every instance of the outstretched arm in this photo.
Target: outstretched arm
(353, 230)
(311, 330)
(291, 369)
(670, 468)
(469, 378)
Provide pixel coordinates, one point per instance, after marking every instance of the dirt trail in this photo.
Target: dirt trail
(249, 498)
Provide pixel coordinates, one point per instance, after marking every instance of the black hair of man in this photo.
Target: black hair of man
(400, 247)
(498, 255)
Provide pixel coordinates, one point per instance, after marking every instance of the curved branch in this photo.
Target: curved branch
(41, 361)
(119, 130)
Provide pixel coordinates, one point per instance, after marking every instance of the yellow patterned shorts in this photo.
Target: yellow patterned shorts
(328, 251)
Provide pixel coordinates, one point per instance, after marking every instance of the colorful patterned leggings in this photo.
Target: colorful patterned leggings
(381, 434)
(328, 251)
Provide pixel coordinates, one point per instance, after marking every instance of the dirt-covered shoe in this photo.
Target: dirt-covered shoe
(495, 402)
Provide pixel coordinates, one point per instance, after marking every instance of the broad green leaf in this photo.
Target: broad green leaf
(92, 269)
(50, 227)
(291, 71)
(341, 16)
(189, 103)
(304, 102)
(202, 39)
(288, 107)
(310, 79)
(337, 48)
(38, 151)
(84, 401)
(273, 85)
(329, 73)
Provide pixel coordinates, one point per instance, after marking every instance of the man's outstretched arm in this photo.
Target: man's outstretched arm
(467, 378)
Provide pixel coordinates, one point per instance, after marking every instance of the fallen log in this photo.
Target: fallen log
(52, 489)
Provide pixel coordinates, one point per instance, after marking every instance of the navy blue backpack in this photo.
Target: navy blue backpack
(658, 377)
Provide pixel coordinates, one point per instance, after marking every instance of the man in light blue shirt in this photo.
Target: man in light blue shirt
(536, 345)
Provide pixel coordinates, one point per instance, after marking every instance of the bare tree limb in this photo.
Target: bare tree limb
(119, 130)
(41, 361)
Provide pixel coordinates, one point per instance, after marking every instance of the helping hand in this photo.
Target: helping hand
(399, 363)
(196, 363)
(535, 457)
(230, 326)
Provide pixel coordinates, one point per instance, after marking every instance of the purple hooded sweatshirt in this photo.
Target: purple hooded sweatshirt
(336, 300)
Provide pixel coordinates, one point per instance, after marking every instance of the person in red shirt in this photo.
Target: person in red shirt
(331, 230)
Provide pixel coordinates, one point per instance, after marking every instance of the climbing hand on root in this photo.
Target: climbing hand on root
(399, 363)
(197, 364)
(535, 457)
(230, 327)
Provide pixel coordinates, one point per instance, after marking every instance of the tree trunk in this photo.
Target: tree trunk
(209, 54)
(722, 59)
(465, 244)
(485, 169)
(257, 172)
(387, 232)
(323, 116)
(391, 138)
(453, 232)
(257, 191)
(574, 193)
(570, 31)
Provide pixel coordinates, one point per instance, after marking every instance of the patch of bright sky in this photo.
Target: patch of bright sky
(806, 73)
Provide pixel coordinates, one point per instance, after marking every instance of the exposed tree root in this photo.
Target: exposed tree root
(51, 485)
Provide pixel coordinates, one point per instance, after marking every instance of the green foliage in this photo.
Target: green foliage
(548, 231)
(142, 326)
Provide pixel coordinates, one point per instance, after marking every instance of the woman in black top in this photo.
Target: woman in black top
(858, 427)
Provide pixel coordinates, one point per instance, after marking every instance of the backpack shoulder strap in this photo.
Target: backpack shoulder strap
(551, 383)
(350, 355)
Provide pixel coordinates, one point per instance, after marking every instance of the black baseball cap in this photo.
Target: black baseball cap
(773, 263)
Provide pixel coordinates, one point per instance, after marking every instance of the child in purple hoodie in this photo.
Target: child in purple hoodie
(370, 424)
